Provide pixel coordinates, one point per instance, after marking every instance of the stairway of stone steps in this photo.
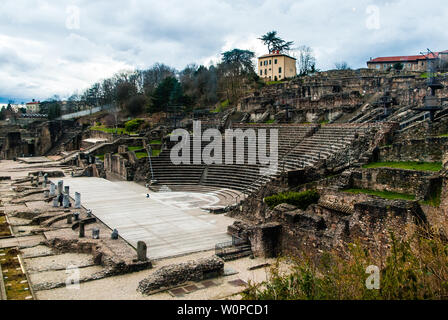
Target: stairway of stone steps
(416, 118)
(234, 252)
(367, 107)
(370, 116)
(299, 146)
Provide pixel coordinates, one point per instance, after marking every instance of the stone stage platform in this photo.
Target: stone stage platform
(171, 223)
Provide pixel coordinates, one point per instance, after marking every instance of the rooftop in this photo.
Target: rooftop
(406, 58)
(276, 53)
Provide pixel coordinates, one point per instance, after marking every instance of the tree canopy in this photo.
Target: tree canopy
(273, 42)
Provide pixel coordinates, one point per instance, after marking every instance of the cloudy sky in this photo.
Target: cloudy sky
(57, 47)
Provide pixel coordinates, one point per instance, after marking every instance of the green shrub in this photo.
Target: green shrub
(299, 199)
(133, 125)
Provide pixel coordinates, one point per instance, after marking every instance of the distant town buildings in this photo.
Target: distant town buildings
(410, 63)
(276, 66)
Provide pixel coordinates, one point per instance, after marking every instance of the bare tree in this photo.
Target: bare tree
(342, 66)
(306, 61)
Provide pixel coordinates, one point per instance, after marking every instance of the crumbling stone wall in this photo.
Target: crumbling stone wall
(116, 165)
(327, 96)
(418, 183)
(330, 226)
(429, 149)
(172, 275)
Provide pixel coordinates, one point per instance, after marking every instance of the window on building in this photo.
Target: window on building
(261, 63)
(275, 61)
(261, 72)
(378, 66)
(270, 61)
(265, 71)
(280, 70)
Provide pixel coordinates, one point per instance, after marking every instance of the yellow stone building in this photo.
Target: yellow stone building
(276, 66)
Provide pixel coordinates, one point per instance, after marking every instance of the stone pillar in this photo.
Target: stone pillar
(114, 234)
(141, 251)
(77, 200)
(66, 201)
(52, 189)
(60, 186)
(55, 202)
(81, 229)
(76, 216)
(69, 219)
(67, 190)
(95, 233)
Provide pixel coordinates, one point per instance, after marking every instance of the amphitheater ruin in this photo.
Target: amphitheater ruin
(84, 209)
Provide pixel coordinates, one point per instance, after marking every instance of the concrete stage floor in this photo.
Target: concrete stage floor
(170, 223)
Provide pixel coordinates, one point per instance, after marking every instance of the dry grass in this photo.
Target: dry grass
(415, 267)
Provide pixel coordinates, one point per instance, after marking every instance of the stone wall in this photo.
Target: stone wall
(339, 218)
(424, 129)
(418, 183)
(116, 166)
(35, 139)
(430, 149)
(176, 274)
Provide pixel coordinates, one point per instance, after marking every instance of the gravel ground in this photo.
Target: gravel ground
(36, 251)
(124, 287)
(41, 278)
(60, 261)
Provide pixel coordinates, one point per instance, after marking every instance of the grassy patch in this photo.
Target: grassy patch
(299, 199)
(270, 121)
(444, 135)
(383, 194)
(4, 228)
(110, 130)
(133, 148)
(16, 284)
(155, 142)
(269, 83)
(418, 166)
(140, 155)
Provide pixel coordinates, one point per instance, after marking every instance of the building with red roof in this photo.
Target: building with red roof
(410, 63)
(32, 107)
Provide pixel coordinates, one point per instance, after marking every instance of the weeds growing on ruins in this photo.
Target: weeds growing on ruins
(413, 268)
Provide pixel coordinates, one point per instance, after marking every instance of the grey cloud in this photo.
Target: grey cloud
(116, 34)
